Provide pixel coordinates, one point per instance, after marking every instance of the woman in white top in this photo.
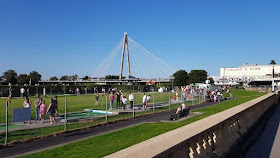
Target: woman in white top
(144, 100)
(26, 103)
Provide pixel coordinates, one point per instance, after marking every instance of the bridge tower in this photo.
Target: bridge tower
(125, 47)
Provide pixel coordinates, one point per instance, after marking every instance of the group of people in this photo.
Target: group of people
(121, 100)
(146, 100)
(217, 96)
(41, 108)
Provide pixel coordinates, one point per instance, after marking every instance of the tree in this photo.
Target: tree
(23, 79)
(35, 77)
(197, 76)
(180, 78)
(73, 77)
(63, 78)
(211, 80)
(111, 77)
(54, 78)
(272, 62)
(86, 78)
(10, 76)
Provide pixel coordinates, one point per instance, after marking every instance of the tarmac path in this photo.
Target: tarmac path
(70, 137)
(268, 144)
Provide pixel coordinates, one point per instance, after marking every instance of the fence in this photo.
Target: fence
(81, 111)
(70, 89)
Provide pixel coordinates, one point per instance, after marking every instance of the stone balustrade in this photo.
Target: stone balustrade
(214, 135)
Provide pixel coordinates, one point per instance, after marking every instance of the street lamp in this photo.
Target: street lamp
(272, 63)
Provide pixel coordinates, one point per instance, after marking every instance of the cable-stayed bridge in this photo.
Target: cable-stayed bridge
(143, 67)
(141, 63)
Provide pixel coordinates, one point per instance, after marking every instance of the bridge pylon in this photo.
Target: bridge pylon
(125, 48)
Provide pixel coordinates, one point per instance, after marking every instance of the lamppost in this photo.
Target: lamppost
(272, 63)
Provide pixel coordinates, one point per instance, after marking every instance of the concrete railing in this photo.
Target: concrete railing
(214, 135)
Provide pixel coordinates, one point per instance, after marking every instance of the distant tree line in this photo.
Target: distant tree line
(11, 76)
(182, 77)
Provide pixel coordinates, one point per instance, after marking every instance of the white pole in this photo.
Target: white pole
(65, 119)
(6, 138)
(192, 98)
(154, 102)
(169, 100)
(199, 97)
(133, 109)
(106, 109)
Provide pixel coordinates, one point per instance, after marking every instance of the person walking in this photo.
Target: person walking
(148, 100)
(77, 91)
(22, 90)
(131, 100)
(43, 111)
(55, 102)
(219, 96)
(144, 100)
(37, 104)
(51, 112)
(96, 98)
(118, 100)
(111, 100)
(184, 96)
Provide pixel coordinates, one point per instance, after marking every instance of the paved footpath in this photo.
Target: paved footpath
(268, 144)
(67, 138)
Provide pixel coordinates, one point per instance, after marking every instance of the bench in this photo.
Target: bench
(181, 114)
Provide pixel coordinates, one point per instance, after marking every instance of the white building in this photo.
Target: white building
(248, 73)
(252, 71)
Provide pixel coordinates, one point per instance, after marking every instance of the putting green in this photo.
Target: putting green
(10, 126)
(82, 115)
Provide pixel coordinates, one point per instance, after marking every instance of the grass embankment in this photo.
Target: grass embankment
(105, 144)
(74, 103)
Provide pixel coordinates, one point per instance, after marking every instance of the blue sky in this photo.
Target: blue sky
(69, 37)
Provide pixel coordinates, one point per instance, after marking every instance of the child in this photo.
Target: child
(148, 100)
(124, 101)
(43, 110)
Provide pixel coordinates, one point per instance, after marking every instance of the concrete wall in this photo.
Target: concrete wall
(214, 135)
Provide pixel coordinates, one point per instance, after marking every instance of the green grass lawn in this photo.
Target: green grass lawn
(105, 144)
